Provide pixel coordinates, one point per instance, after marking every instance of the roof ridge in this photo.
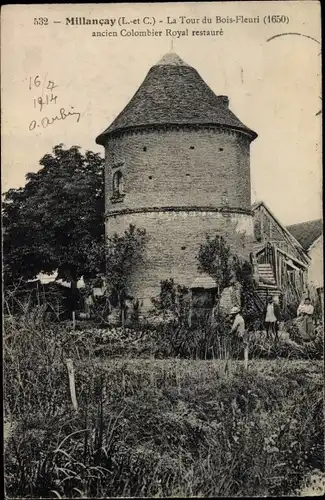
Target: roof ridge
(307, 232)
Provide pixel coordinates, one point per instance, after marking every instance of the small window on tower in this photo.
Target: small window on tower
(191, 147)
(220, 149)
(144, 148)
(118, 188)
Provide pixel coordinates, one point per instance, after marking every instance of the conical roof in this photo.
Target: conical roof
(173, 93)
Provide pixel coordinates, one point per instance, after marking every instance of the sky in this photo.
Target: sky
(274, 86)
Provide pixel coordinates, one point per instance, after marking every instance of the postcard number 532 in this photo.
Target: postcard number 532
(41, 21)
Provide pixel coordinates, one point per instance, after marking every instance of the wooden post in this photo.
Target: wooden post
(321, 296)
(227, 356)
(276, 266)
(246, 357)
(7, 432)
(37, 292)
(190, 309)
(262, 225)
(74, 320)
(72, 385)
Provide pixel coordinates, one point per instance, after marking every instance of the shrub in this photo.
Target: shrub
(173, 303)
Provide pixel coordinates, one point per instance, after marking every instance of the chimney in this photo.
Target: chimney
(224, 99)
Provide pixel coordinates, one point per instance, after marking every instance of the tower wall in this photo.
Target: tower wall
(174, 238)
(180, 184)
(203, 167)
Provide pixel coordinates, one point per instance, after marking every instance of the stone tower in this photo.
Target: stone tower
(178, 165)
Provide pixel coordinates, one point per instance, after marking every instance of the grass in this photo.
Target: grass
(173, 428)
(170, 341)
(154, 427)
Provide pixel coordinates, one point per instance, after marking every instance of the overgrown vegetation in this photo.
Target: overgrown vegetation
(123, 256)
(154, 427)
(173, 303)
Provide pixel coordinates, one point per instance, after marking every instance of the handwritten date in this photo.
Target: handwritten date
(37, 82)
(40, 102)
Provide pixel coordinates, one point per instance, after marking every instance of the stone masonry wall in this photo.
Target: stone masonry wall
(205, 167)
(173, 243)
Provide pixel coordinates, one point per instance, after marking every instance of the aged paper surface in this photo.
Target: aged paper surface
(205, 120)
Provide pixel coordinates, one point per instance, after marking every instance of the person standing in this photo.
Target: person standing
(271, 319)
(238, 326)
(305, 316)
(237, 331)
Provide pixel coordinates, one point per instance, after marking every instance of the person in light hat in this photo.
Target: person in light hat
(238, 330)
(238, 326)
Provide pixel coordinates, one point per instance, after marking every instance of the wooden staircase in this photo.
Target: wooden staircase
(265, 273)
(267, 284)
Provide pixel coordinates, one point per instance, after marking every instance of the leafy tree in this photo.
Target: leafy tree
(56, 221)
(215, 260)
(123, 254)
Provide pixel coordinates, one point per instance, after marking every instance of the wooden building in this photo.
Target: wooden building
(310, 236)
(281, 261)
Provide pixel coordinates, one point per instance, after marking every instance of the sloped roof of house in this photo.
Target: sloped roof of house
(303, 253)
(173, 93)
(307, 232)
(291, 236)
(204, 281)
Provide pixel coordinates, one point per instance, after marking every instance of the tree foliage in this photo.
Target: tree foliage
(124, 253)
(214, 259)
(173, 298)
(217, 260)
(56, 221)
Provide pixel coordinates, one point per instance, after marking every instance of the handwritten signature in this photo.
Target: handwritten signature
(46, 121)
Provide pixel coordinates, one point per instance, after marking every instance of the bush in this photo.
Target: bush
(172, 303)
